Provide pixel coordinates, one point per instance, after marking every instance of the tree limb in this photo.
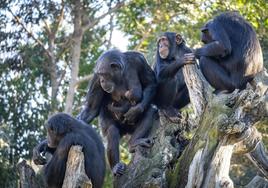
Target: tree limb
(91, 24)
(18, 21)
(83, 79)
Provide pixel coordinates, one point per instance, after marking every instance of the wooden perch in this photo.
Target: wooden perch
(27, 175)
(75, 175)
(257, 182)
(225, 125)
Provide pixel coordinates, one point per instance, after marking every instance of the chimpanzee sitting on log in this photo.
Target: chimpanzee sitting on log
(172, 93)
(63, 131)
(121, 91)
(232, 54)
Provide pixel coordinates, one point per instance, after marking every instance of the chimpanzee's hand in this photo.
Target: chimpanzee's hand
(133, 113)
(119, 169)
(110, 107)
(197, 53)
(37, 153)
(189, 58)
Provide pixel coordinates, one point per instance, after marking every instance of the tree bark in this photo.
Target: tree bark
(81, 24)
(75, 175)
(225, 125)
(27, 176)
(75, 53)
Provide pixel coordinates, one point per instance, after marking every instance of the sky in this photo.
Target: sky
(119, 40)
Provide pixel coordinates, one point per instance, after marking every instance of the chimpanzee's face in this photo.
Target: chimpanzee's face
(205, 34)
(110, 75)
(163, 47)
(206, 37)
(107, 82)
(53, 139)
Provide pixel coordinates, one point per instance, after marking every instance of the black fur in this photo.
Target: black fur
(232, 54)
(65, 131)
(121, 91)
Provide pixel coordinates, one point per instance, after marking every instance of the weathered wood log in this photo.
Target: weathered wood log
(227, 120)
(225, 124)
(75, 175)
(257, 182)
(27, 175)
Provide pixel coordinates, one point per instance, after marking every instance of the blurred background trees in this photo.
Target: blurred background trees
(48, 50)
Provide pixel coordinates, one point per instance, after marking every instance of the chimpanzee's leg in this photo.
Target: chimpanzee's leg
(216, 75)
(165, 97)
(182, 98)
(112, 133)
(166, 93)
(142, 130)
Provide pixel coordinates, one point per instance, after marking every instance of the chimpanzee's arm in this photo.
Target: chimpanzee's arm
(55, 169)
(39, 151)
(221, 45)
(94, 100)
(168, 70)
(148, 82)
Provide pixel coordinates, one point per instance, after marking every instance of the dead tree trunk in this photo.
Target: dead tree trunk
(27, 176)
(225, 124)
(75, 175)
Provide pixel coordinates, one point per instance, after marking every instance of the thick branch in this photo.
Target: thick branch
(27, 175)
(83, 79)
(259, 158)
(257, 182)
(197, 87)
(59, 19)
(75, 175)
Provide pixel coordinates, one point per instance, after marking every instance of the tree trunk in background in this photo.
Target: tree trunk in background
(81, 24)
(75, 55)
(225, 125)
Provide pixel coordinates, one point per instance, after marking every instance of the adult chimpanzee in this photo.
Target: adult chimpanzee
(232, 54)
(172, 93)
(63, 131)
(122, 88)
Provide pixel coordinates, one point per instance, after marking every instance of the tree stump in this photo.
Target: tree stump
(75, 175)
(27, 175)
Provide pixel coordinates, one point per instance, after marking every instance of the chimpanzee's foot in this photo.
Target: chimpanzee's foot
(119, 169)
(172, 114)
(143, 142)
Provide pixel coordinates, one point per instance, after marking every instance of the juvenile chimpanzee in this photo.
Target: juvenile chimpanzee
(232, 54)
(172, 55)
(121, 91)
(63, 131)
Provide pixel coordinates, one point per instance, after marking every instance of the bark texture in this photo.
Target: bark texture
(27, 175)
(224, 124)
(75, 175)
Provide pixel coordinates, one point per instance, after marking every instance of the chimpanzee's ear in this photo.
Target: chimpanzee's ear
(158, 39)
(115, 66)
(179, 39)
